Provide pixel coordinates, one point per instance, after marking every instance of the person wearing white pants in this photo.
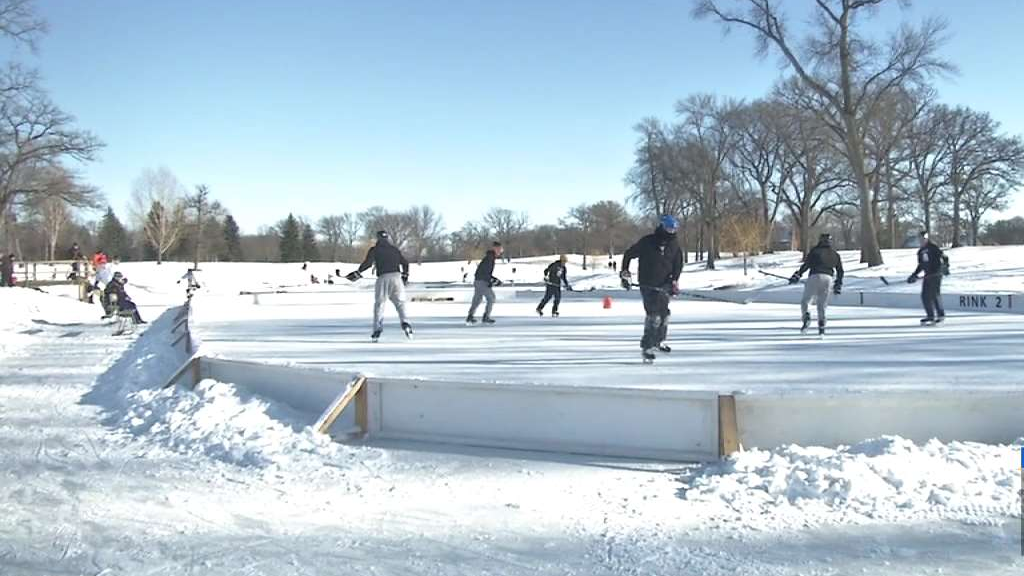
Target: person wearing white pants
(826, 277)
(392, 276)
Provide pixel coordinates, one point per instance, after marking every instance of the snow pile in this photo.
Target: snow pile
(885, 479)
(27, 311)
(214, 420)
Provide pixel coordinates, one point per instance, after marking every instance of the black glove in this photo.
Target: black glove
(626, 279)
(569, 288)
(405, 279)
(495, 281)
(837, 288)
(794, 279)
(353, 276)
(912, 278)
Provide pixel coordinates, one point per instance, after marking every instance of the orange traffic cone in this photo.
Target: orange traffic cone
(607, 303)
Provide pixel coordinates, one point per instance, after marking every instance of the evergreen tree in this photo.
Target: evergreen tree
(290, 241)
(232, 241)
(310, 251)
(113, 238)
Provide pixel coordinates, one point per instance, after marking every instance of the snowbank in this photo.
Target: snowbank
(214, 419)
(25, 311)
(885, 479)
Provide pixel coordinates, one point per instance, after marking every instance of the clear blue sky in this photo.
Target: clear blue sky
(319, 107)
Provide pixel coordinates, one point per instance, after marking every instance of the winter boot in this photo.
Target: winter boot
(664, 348)
(470, 320)
(487, 320)
(407, 328)
(648, 355)
(807, 322)
(821, 328)
(927, 321)
(376, 335)
(540, 312)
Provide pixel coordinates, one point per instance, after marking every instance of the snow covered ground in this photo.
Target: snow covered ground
(104, 473)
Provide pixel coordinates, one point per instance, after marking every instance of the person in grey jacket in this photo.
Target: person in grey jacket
(483, 285)
(392, 276)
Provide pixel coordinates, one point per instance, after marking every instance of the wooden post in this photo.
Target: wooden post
(728, 428)
(323, 424)
(362, 409)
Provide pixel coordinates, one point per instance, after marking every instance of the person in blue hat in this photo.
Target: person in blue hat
(661, 263)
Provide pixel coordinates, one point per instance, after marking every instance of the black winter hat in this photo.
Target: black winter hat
(382, 234)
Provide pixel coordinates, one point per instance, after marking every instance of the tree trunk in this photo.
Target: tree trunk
(956, 221)
(869, 251)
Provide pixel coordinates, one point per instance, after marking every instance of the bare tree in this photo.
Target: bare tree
(818, 177)
(849, 72)
(396, 224)
(199, 204)
(332, 229)
(158, 208)
(707, 130)
(927, 160)
(984, 195)
(977, 151)
(426, 230)
(581, 220)
(505, 224)
(34, 133)
(759, 158)
(612, 223)
(19, 22)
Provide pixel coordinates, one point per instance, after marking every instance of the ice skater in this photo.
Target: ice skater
(934, 264)
(554, 278)
(483, 285)
(392, 276)
(826, 277)
(661, 263)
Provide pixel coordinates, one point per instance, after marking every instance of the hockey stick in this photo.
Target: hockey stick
(774, 275)
(692, 295)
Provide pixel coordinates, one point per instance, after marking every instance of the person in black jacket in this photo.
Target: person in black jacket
(554, 278)
(392, 276)
(825, 264)
(7, 271)
(932, 262)
(116, 297)
(661, 263)
(483, 285)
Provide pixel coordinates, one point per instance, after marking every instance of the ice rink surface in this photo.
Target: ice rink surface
(716, 346)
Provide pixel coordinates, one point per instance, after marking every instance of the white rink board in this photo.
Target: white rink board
(305, 389)
(771, 420)
(620, 422)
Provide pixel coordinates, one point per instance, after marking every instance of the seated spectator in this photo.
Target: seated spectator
(117, 299)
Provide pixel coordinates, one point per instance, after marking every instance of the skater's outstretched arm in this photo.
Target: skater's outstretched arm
(368, 261)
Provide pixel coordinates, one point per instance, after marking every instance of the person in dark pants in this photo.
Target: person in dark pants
(7, 271)
(483, 285)
(116, 296)
(554, 277)
(76, 257)
(661, 263)
(934, 265)
(825, 264)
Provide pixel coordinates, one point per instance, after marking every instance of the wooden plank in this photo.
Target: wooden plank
(189, 364)
(728, 429)
(362, 410)
(323, 424)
